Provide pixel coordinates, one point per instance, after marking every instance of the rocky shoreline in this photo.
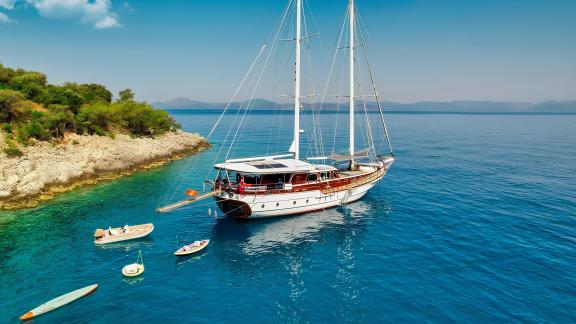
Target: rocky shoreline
(47, 169)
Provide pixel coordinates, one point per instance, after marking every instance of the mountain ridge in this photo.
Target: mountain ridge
(464, 106)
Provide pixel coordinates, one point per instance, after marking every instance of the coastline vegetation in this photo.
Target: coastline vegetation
(32, 110)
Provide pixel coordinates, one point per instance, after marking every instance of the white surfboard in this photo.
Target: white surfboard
(59, 302)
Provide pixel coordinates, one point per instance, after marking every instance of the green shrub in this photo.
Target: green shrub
(141, 119)
(57, 95)
(94, 119)
(9, 100)
(23, 134)
(81, 108)
(6, 74)
(92, 93)
(7, 128)
(12, 152)
(59, 120)
(38, 131)
(31, 84)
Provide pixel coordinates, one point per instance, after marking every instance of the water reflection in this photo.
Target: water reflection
(246, 239)
(183, 260)
(127, 246)
(133, 281)
(286, 247)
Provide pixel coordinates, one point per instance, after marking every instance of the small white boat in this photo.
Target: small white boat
(134, 269)
(192, 248)
(59, 302)
(119, 234)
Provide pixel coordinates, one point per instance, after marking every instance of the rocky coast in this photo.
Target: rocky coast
(49, 168)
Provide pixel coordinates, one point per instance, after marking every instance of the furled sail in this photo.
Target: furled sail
(345, 157)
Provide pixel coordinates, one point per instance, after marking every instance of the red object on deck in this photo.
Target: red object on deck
(191, 192)
(241, 185)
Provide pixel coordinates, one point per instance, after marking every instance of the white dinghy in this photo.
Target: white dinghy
(195, 247)
(134, 269)
(59, 302)
(124, 233)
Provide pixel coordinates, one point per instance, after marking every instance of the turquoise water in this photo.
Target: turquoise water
(475, 222)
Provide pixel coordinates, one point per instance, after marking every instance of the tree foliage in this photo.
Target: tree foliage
(30, 108)
(30, 84)
(126, 95)
(59, 120)
(8, 104)
(91, 93)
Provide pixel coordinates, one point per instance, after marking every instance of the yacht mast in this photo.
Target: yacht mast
(351, 17)
(297, 86)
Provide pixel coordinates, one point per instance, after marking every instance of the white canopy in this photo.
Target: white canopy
(273, 166)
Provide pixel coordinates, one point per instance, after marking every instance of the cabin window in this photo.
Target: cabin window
(324, 175)
(299, 178)
(252, 179)
(312, 177)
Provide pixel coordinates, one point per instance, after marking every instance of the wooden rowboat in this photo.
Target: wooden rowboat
(192, 248)
(59, 302)
(117, 234)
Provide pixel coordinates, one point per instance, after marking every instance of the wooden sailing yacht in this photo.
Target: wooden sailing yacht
(285, 184)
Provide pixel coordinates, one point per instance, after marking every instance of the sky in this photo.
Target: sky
(421, 50)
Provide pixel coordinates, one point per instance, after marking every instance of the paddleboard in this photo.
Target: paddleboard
(59, 302)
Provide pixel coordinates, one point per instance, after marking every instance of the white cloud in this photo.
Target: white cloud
(107, 22)
(127, 6)
(7, 4)
(98, 12)
(4, 19)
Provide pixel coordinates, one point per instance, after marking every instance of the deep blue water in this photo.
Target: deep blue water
(475, 222)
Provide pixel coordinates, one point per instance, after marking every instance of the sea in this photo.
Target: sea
(475, 222)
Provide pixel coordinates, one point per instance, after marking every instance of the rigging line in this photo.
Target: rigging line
(237, 90)
(276, 88)
(343, 23)
(241, 129)
(277, 30)
(248, 106)
(217, 156)
(312, 140)
(338, 107)
(318, 140)
(191, 161)
(316, 107)
(370, 138)
(279, 25)
(362, 26)
(376, 93)
(180, 179)
(338, 42)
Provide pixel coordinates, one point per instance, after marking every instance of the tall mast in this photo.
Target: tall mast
(351, 17)
(297, 85)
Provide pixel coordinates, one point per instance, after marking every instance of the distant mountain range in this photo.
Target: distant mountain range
(568, 106)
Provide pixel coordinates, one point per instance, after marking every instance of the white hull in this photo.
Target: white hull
(264, 206)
